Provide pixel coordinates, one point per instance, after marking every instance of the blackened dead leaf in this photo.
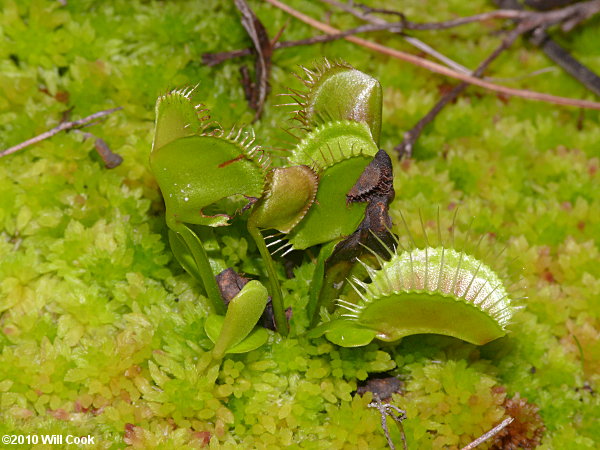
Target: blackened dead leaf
(257, 92)
(111, 160)
(376, 187)
(267, 320)
(382, 387)
(230, 284)
(375, 181)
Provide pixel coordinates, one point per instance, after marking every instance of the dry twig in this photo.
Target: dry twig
(569, 16)
(540, 38)
(212, 59)
(405, 148)
(70, 125)
(256, 92)
(434, 67)
(484, 437)
(398, 415)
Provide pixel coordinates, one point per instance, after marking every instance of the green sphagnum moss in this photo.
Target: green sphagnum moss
(102, 333)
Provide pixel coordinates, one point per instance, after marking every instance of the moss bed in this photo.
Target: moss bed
(101, 330)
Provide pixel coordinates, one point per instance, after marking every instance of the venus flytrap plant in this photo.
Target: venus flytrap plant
(340, 110)
(306, 201)
(196, 169)
(385, 309)
(335, 192)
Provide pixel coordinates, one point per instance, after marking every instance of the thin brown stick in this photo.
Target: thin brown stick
(570, 15)
(398, 415)
(417, 43)
(213, 59)
(63, 126)
(437, 68)
(405, 148)
(494, 431)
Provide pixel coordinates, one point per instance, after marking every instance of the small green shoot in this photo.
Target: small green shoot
(234, 332)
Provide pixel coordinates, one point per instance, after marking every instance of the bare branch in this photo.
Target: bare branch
(437, 68)
(570, 16)
(494, 431)
(397, 414)
(212, 59)
(405, 148)
(63, 126)
(540, 38)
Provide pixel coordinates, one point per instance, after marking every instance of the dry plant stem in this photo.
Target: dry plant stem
(538, 37)
(417, 43)
(63, 126)
(398, 415)
(256, 92)
(555, 51)
(405, 148)
(437, 68)
(494, 431)
(570, 15)
(212, 59)
(377, 24)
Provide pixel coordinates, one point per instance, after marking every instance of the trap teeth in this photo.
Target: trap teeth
(324, 100)
(430, 290)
